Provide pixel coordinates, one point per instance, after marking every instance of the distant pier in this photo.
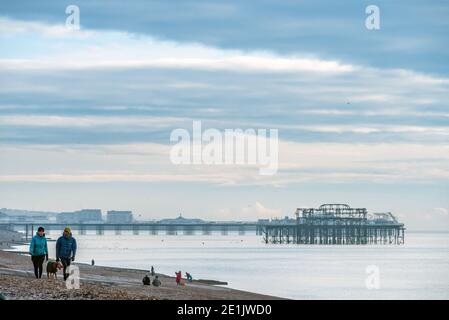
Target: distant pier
(223, 228)
(335, 224)
(329, 224)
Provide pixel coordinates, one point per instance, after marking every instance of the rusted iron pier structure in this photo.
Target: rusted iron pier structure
(335, 224)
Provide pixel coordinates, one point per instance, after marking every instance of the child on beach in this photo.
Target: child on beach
(178, 277)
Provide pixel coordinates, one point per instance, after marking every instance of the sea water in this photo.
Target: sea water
(417, 270)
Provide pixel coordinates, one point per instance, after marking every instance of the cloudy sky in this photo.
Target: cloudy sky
(363, 115)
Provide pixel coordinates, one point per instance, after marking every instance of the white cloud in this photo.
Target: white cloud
(157, 122)
(260, 212)
(374, 128)
(251, 212)
(373, 113)
(299, 162)
(101, 49)
(12, 28)
(89, 121)
(441, 212)
(81, 49)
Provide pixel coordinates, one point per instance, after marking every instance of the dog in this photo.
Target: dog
(52, 268)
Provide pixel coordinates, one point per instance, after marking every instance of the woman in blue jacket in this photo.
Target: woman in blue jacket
(39, 251)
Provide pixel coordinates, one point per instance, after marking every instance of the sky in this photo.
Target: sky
(362, 115)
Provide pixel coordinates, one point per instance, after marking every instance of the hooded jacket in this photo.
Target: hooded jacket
(38, 245)
(66, 247)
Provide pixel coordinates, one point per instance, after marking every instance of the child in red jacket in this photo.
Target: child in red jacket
(178, 277)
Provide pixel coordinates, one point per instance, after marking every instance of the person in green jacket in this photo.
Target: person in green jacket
(39, 251)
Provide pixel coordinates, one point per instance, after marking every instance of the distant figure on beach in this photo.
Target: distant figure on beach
(178, 277)
(39, 251)
(189, 277)
(146, 280)
(156, 282)
(66, 250)
(152, 271)
(93, 262)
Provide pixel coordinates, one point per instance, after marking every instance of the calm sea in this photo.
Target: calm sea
(417, 270)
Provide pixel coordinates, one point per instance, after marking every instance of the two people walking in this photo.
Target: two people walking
(65, 251)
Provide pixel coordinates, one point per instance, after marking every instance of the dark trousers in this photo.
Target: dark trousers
(38, 262)
(65, 263)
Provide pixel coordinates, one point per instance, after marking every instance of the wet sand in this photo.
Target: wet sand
(17, 281)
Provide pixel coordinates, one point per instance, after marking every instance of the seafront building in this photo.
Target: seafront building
(80, 216)
(114, 216)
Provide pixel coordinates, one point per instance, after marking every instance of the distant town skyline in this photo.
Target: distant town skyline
(86, 215)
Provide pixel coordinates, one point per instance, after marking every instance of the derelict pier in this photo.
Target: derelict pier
(335, 224)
